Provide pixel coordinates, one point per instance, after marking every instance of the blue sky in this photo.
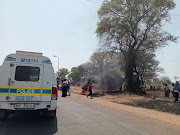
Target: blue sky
(66, 28)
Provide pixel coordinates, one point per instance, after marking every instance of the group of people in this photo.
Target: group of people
(65, 87)
(175, 91)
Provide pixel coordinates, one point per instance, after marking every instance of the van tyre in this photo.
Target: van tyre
(6, 116)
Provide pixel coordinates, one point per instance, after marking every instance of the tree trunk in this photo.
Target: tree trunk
(129, 71)
(142, 80)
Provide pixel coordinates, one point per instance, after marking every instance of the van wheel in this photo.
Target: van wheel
(6, 116)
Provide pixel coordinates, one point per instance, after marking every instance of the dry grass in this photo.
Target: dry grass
(152, 100)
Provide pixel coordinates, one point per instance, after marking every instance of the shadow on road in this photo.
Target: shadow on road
(28, 123)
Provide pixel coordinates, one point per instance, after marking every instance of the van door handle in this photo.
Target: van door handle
(8, 97)
(9, 81)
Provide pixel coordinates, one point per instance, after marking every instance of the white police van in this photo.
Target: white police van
(27, 82)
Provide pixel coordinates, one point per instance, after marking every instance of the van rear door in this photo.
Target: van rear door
(26, 82)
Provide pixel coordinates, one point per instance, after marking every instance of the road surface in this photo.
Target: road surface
(79, 116)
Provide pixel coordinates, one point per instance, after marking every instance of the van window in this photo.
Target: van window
(27, 73)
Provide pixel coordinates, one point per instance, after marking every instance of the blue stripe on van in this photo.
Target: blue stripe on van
(46, 62)
(10, 59)
(46, 92)
(34, 91)
(4, 90)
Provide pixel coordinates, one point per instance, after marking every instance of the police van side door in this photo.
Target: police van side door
(26, 82)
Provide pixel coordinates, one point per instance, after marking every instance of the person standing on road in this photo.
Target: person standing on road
(64, 88)
(57, 79)
(65, 85)
(176, 91)
(68, 87)
(166, 90)
(172, 89)
(90, 90)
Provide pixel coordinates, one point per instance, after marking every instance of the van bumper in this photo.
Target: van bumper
(51, 105)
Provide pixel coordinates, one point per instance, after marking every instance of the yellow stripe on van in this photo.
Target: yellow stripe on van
(25, 94)
(25, 87)
(30, 88)
(7, 87)
(46, 94)
(4, 93)
(47, 88)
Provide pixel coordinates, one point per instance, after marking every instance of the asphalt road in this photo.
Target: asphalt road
(76, 116)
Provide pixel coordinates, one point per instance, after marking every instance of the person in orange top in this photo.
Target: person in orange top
(90, 90)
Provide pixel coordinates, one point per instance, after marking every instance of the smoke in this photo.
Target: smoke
(111, 81)
(87, 80)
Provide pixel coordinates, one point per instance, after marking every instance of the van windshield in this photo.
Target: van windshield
(27, 73)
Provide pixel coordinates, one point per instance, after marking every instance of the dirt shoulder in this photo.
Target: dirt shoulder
(130, 102)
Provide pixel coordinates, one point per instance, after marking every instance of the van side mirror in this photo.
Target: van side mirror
(9, 81)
